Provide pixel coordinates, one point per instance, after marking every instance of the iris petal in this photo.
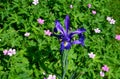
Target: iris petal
(67, 22)
(81, 38)
(65, 45)
(62, 46)
(80, 41)
(76, 42)
(58, 27)
(78, 31)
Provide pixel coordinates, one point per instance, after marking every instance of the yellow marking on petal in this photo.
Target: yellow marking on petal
(65, 44)
(60, 39)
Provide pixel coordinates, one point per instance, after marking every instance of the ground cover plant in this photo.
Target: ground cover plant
(58, 39)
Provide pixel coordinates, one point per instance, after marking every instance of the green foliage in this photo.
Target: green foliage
(39, 53)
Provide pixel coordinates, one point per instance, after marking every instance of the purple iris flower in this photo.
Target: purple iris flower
(66, 37)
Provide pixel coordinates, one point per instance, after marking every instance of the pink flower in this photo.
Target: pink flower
(97, 30)
(117, 37)
(71, 6)
(47, 32)
(9, 52)
(93, 12)
(89, 5)
(51, 77)
(105, 68)
(5, 52)
(91, 55)
(112, 21)
(102, 74)
(27, 34)
(35, 2)
(40, 21)
(14, 51)
(108, 18)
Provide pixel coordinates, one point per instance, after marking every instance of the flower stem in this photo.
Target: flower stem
(64, 63)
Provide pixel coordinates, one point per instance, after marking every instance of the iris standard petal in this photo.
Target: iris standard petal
(78, 31)
(67, 22)
(58, 27)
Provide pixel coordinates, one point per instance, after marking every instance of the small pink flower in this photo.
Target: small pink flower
(47, 32)
(9, 52)
(51, 77)
(102, 74)
(71, 6)
(13, 51)
(93, 12)
(40, 21)
(35, 2)
(112, 21)
(105, 68)
(91, 55)
(97, 30)
(5, 52)
(108, 18)
(27, 34)
(89, 5)
(117, 37)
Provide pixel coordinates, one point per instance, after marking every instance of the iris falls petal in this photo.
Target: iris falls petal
(78, 31)
(80, 40)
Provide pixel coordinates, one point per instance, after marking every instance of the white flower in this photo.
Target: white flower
(91, 55)
(97, 30)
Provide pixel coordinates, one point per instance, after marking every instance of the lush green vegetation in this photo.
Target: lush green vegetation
(30, 48)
